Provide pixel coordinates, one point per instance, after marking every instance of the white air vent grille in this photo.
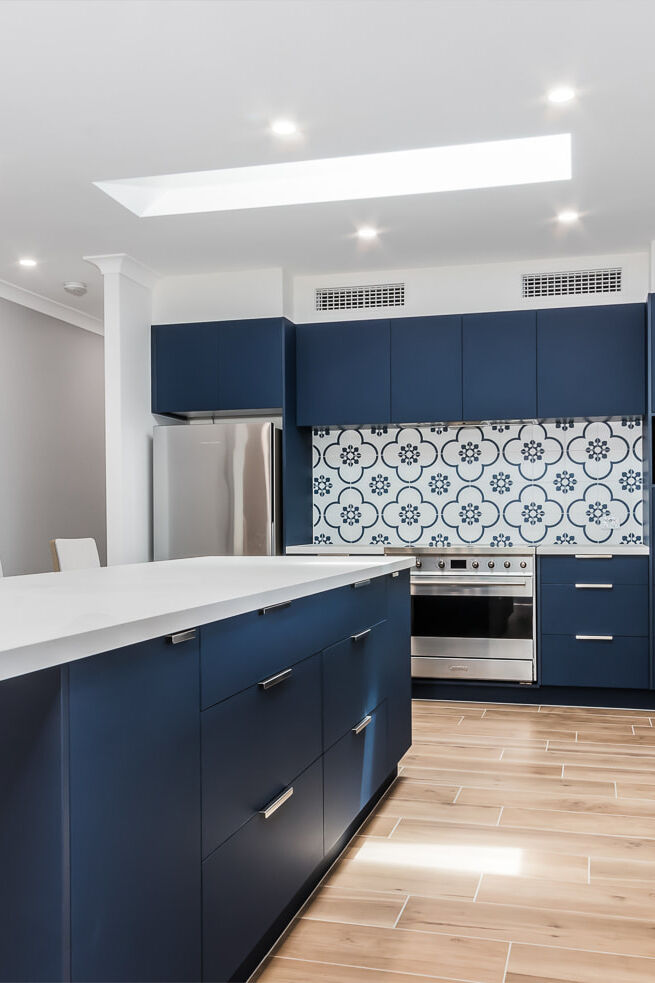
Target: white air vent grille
(360, 298)
(572, 283)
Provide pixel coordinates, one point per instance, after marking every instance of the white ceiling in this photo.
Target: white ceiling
(124, 88)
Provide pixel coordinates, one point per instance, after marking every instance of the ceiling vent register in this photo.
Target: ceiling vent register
(360, 298)
(572, 283)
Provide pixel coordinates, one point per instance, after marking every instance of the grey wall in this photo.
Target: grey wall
(52, 451)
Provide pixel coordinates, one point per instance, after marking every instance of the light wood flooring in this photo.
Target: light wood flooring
(516, 846)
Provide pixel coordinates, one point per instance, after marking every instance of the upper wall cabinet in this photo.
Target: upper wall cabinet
(591, 361)
(426, 369)
(217, 366)
(500, 365)
(343, 372)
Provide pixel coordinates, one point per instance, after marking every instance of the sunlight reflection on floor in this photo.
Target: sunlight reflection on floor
(482, 859)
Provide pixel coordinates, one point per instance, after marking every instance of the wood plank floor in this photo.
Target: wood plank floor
(517, 845)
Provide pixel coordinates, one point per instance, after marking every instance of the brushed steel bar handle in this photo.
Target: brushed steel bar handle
(361, 634)
(594, 586)
(275, 607)
(272, 681)
(594, 638)
(182, 636)
(458, 668)
(594, 556)
(363, 724)
(276, 804)
(396, 573)
(361, 583)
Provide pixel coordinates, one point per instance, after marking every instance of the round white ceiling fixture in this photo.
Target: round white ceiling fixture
(284, 128)
(561, 94)
(568, 216)
(27, 262)
(75, 287)
(367, 232)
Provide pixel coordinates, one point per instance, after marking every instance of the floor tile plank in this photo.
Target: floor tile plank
(533, 964)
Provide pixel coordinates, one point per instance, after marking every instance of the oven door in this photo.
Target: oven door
(486, 617)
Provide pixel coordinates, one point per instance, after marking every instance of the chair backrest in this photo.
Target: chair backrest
(74, 554)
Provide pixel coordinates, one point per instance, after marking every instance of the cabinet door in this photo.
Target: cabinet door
(500, 365)
(343, 372)
(249, 881)
(618, 663)
(135, 814)
(353, 679)
(426, 369)
(250, 364)
(399, 667)
(591, 361)
(184, 367)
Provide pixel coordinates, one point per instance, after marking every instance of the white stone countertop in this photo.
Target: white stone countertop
(636, 549)
(49, 619)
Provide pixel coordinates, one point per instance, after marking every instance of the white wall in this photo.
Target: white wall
(219, 296)
(52, 448)
(470, 289)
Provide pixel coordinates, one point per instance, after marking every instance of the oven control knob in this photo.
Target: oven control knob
(523, 564)
(419, 563)
(442, 564)
(475, 564)
(507, 564)
(491, 564)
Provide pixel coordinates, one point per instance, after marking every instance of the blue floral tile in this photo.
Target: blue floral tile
(498, 483)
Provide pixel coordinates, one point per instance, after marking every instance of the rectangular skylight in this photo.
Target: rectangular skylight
(404, 172)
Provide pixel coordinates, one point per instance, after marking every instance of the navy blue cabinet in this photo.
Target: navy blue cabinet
(500, 365)
(218, 366)
(353, 679)
(399, 667)
(135, 814)
(594, 621)
(426, 369)
(591, 361)
(343, 372)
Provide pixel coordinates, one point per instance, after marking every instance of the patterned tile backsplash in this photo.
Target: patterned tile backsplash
(493, 484)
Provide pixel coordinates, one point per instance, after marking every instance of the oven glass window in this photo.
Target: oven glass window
(471, 617)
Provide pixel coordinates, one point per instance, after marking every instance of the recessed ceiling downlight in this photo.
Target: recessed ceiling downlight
(405, 172)
(27, 261)
(284, 128)
(561, 94)
(367, 232)
(568, 216)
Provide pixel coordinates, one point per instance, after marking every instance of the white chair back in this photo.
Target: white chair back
(74, 554)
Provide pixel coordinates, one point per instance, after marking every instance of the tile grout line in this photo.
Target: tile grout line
(477, 890)
(457, 796)
(389, 835)
(589, 870)
(500, 814)
(509, 951)
(401, 911)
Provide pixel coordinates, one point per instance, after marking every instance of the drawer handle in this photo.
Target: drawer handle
(361, 634)
(458, 668)
(396, 573)
(182, 636)
(276, 804)
(594, 586)
(361, 583)
(594, 638)
(363, 724)
(275, 607)
(594, 556)
(272, 681)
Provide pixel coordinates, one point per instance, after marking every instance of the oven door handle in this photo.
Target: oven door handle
(491, 581)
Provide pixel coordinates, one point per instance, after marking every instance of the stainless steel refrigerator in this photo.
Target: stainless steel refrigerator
(216, 489)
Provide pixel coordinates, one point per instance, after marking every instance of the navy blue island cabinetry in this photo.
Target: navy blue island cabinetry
(168, 806)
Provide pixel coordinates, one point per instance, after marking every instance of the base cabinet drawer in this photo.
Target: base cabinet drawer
(354, 677)
(591, 567)
(617, 661)
(252, 877)
(255, 743)
(593, 609)
(353, 769)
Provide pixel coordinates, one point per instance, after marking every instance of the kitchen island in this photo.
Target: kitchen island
(187, 746)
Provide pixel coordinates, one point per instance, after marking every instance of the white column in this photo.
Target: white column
(128, 420)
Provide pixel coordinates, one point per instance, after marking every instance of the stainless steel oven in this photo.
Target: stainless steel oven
(473, 615)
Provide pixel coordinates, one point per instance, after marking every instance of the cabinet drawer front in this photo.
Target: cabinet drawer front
(238, 652)
(354, 679)
(587, 568)
(354, 768)
(621, 662)
(254, 744)
(596, 610)
(252, 877)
